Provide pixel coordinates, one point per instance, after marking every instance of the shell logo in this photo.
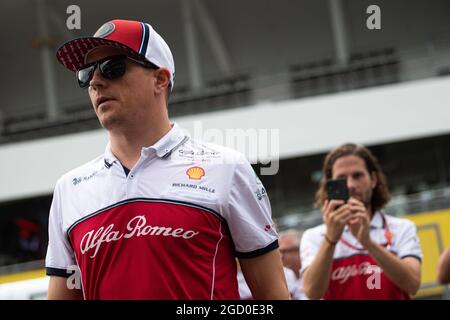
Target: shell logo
(195, 173)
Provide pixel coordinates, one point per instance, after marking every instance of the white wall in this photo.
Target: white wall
(306, 126)
(34, 289)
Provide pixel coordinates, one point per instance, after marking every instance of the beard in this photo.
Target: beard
(364, 197)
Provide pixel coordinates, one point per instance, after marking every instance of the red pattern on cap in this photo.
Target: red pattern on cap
(127, 35)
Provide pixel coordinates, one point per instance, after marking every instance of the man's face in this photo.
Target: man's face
(120, 103)
(290, 254)
(359, 182)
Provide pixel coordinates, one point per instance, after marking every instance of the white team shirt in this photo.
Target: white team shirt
(351, 262)
(186, 209)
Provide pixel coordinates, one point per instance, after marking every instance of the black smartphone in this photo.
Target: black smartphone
(337, 189)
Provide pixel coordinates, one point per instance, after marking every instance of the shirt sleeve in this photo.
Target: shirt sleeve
(59, 260)
(309, 247)
(249, 214)
(408, 242)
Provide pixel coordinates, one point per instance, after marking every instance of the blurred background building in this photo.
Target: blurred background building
(309, 70)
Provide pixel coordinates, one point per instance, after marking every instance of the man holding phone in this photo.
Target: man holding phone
(359, 252)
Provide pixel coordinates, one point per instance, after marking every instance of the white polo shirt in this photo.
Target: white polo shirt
(170, 229)
(353, 268)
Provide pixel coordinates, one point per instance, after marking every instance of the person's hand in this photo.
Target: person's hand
(336, 214)
(359, 224)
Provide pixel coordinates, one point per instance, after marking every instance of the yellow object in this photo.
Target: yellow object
(28, 275)
(195, 173)
(433, 229)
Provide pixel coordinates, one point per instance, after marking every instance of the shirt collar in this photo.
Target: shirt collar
(173, 139)
(110, 158)
(163, 147)
(377, 221)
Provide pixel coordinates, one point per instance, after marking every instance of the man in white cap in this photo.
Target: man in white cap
(158, 215)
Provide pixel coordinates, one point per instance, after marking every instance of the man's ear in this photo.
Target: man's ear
(374, 180)
(162, 79)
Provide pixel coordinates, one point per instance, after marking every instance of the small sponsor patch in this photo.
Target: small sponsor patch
(193, 186)
(78, 180)
(105, 30)
(195, 173)
(260, 193)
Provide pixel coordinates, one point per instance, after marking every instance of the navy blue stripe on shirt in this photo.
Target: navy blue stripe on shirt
(258, 252)
(58, 272)
(126, 170)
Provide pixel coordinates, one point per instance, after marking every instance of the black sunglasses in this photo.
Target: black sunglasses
(110, 68)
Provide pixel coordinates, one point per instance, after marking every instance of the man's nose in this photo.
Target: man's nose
(97, 79)
(351, 183)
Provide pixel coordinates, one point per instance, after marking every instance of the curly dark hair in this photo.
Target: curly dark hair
(380, 195)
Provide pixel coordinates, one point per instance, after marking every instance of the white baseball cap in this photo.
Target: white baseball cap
(134, 37)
